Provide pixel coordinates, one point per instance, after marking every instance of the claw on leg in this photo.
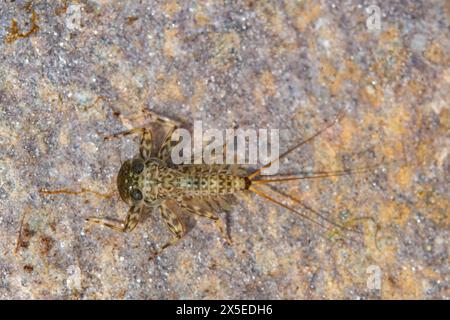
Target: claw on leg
(113, 224)
(73, 192)
(163, 247)
(129, 224)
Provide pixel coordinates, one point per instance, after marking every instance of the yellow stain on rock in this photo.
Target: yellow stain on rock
(305, 13)
(326, 153)
(200, 16)
(349, 131)
(201, 19)
(444, 116)
(259, 97)
(397, 122)
(268, 82)
(327, 73)
(394, 213)
(435, 54)
(391, 34)
(403, 177)
(391, 151)
(372, 92)
(406, 285)
(265, 87)
(335, 78)
(424, 152)
(171, 8)
(171, 42)
(14, 32)
(169, 90)
(277, 21)
(414, 88)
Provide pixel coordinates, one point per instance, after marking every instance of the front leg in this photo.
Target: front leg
(149, 117)
(128, 225)
(165, 150)
(146, 145)
(146, 140)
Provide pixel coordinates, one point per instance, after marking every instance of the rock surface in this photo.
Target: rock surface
(66, 68)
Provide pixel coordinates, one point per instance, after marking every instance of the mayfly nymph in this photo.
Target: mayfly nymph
(152, 180)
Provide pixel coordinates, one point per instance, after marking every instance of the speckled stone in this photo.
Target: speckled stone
(290, 65)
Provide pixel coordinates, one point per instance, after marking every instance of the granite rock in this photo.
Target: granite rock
(66, 69)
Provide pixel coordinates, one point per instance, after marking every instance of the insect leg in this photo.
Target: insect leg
(129, 224)
(160, 119)
(146, 146)
(176, 227)
(73, 192)
(195, 210)
(124, 133)
(149, 117)
(132, 219)
(146, 115)
(166, 146)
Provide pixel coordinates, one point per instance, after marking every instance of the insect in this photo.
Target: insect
(150, 180)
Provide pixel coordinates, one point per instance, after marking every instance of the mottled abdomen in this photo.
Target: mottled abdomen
(197, 181)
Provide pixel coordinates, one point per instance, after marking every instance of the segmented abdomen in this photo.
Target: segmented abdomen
(197, 181)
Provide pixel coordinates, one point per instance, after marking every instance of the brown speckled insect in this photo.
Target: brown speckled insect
(151, 180)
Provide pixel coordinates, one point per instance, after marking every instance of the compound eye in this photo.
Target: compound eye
(137, 167)
(136, 194)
